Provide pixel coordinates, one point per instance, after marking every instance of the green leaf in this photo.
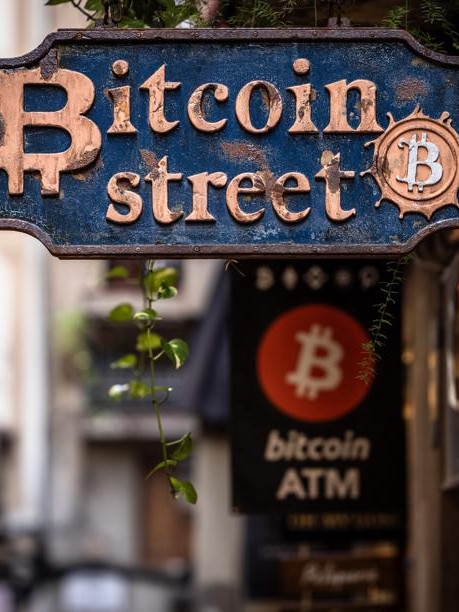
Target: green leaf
(163, 277)
(177, 351)
(129, 22)
(56, 2)
(93, 5)
(117, 272)
(169, 463)
(165, 292)
(147, 341)
(185, 448)
(138, 389)
(116, 392)
(125, 362)
(147, 315)
(121, 313)
(184, 488)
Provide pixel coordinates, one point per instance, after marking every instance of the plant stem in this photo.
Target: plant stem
(154, 399)
(87, 14)
(156, 407)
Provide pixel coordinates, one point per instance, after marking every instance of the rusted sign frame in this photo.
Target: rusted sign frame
(47, 59)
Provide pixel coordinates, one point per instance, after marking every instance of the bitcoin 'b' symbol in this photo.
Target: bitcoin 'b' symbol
(84, 134)
(436, 169)
(308, 363)
(319, 352)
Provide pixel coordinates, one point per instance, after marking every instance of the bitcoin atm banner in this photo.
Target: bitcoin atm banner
(229, 142)
(310, 438)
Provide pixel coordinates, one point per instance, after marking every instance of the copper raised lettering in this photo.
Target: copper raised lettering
(121, 97)
(156, 85)
(338, 107)
(84, 133)
(332, 175)
(160, 178)
(119, 193)
(195, 107)
(278, 199)
(273, 103)
(200, 184)
(234, 189)
(303, 122)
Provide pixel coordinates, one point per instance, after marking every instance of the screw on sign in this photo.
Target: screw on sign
(308, 363)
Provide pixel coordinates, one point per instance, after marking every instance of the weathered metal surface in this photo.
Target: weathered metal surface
(221, 142)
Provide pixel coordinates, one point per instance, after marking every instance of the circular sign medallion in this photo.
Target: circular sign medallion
(308, 363)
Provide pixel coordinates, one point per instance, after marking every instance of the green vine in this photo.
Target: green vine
(157, 284)
(390, 290)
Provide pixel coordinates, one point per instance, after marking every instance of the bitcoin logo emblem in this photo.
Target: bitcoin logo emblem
(436, 169)
(308, 363)
(428, 151)
(317, 368)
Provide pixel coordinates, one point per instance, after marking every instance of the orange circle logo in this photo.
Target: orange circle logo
(308, 363)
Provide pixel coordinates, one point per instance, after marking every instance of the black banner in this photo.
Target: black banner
(310, 438)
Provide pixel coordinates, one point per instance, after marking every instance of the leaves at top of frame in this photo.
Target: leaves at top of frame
(56, 2)
(93, 5)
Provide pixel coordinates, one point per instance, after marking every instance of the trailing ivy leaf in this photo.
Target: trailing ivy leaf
(121, 313)
(147, 315)
(177, 351)
(116, 392)
(163, 277)
(55, 2)
(185, 488)
(147, 341)
(165, 292)
(185, 448)
(117, 272)
(138, 389)
(125, 362)
(169, 463)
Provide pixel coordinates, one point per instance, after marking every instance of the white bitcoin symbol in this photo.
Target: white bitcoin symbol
(319, 351)
(436, 169)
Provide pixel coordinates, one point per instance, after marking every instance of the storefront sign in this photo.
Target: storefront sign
(209, 143)
(312, 440)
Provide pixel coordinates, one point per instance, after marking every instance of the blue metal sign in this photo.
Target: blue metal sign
(218, 142)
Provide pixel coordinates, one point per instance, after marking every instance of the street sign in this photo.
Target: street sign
(222, 142)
